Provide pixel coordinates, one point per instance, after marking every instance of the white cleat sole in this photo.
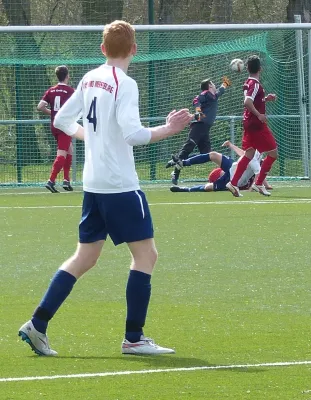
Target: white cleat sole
(234, 190)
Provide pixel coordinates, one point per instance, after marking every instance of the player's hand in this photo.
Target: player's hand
(226, 81)
(198, 115)
(262, 118)
(271, 97)
(227, 143)
(178, 120)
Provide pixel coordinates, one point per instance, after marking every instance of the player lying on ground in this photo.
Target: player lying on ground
(113, 203)
(206, 105)
(256, 135)
(54, 98)
(219, 177)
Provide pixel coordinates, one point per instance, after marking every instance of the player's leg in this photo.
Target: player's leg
(193, 138)
(208, 187)
(92, 234)
(138, 292)
(240, 169)
(204, 144)
(63, 143)
(66, 183)
(198, 159)
(247, 143)
(129, 221)
(269, 146)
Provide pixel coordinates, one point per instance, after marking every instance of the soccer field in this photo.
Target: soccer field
(231, 294)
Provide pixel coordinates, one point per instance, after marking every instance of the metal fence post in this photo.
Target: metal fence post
(74, 160)
(232, 135)
(302, 98)
(19, 127)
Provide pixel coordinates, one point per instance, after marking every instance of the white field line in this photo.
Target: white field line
(155, 371)
(193, 203)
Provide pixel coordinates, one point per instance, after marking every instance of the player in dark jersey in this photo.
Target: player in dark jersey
(50, 103)
(206, 105)
(256, 135)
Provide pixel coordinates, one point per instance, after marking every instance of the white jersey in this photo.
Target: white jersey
(108, 99)
(253, 168)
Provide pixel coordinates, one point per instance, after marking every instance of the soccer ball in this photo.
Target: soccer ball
(237, 65)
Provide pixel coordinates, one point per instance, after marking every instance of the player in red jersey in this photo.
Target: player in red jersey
(54, 98)
(257, 135)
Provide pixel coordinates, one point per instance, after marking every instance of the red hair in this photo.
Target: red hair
(118, 39)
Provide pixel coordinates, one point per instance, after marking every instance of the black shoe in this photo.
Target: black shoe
(174, 162)
(67, 186)
(51, 187)
(175, 189)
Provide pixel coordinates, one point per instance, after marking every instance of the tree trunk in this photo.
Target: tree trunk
(299, 7)
(101, 12)
(222, 11)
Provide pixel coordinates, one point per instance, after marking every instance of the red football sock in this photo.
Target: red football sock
(57, 167)
(265, 168)
(67, 167)
(241, 167)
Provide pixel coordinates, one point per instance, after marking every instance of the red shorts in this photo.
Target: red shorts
(63, 140)
(259, 139)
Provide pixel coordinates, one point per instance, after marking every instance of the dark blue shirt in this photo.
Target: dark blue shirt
(209, 104)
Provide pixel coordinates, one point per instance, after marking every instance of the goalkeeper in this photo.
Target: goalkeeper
(206, 105)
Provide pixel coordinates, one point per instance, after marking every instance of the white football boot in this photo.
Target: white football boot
(261, 189)
(144, 346)
(37, 341)
(234, 190)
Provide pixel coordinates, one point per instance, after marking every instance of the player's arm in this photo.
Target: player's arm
(225, 84)
(233, 147)
(67, 116)
(42, 106)
(127, 114)
(250, 95)
(249, 104)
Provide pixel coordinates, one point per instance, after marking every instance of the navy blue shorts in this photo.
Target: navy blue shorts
(226, 164)
(125, 217)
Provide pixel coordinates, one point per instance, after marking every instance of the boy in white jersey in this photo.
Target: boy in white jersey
(113, 203)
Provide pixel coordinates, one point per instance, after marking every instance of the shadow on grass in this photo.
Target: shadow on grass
(168, 361)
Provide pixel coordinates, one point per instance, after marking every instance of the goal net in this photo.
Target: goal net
(168, 68)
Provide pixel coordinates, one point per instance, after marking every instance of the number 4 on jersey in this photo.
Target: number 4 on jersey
(92, 114)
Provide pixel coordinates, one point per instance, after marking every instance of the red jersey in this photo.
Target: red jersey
(253, 90)
(57, 96)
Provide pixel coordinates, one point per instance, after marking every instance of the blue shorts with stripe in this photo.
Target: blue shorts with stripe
(125, 217)
(226, 164)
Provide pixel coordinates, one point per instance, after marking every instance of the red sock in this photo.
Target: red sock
(241, 167)
(57, 167)
(265, 168)
(67, 167)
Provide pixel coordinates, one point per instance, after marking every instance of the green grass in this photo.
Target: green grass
(232, 286)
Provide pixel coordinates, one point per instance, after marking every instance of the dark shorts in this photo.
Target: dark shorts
(260, 139)
(226, 164)
(125, 217)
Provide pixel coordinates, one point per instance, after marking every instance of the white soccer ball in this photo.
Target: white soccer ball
(237, 65)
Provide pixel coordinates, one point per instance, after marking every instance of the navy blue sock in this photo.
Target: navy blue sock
(199, 188)
(199, 159)
(138, 293)
(60, 287)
